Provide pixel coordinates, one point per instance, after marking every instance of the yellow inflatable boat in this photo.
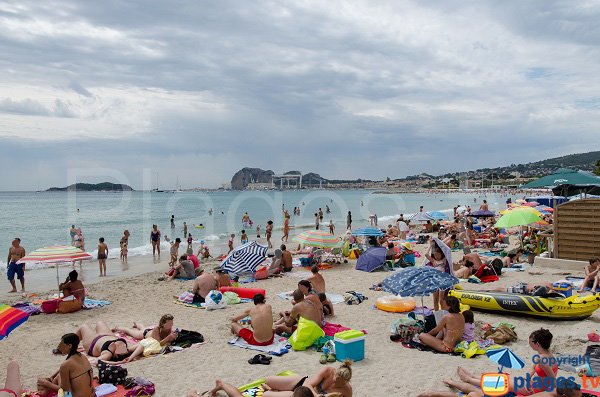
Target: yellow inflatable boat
(572, 308)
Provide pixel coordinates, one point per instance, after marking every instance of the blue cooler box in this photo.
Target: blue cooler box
(349, 345)
(563, 287)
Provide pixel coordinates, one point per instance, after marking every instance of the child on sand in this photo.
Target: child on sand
(469, 332)
(230, 242)
(102, 255)
(331, 227)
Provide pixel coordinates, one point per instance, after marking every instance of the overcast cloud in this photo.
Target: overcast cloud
(199, 89)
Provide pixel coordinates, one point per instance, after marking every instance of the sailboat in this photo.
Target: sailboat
(156, 190)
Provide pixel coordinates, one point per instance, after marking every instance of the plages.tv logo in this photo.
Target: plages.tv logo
(494, 384)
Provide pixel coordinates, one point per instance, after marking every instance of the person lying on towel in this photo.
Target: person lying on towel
(261, 319)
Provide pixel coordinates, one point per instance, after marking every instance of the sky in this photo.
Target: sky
(139, 91)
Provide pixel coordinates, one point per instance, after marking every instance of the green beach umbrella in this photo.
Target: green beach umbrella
(518, 217)
(565, 176)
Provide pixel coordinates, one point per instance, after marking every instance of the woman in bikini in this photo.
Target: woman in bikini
(75, 374)
(163, 333)
(449, 331)
(233, 391)
(326, 382)
(437, 260)
(12, 386)
(540, 342)
(102, 344)
(155, 240)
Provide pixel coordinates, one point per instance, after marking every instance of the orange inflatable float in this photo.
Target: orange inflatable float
(395, 304)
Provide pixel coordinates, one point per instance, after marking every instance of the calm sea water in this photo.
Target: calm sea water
(42, 219)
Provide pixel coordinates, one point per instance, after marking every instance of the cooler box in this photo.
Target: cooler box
(349, 345)
(563, 287)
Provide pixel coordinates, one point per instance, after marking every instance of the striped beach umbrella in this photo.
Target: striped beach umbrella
(317, 238)
(245, 258)
(368, 231)
(56, 254)
(10, 318)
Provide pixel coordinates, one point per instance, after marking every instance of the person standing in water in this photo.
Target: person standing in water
(269, 232)
(155, 240)
(172, 224)
(15, 253)
(349, 220)
(102, 255)
(317, 220)
(286, 226)
(185, 230)
(123, 245)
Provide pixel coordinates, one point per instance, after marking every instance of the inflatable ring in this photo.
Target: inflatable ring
(199, 226)
(395, 304)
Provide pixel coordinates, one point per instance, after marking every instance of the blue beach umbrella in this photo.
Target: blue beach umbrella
(368, 231)
(437, 215)
(371, 260)
(418, 281)
(483, 214)
(245, 258)
(505, 358)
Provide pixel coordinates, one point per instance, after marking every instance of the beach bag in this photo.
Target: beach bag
(406, 328)
(186, 297)
(354, 298)
(50, 306)
(231, 298)
(139, 387)
(307, 333)
(151, 346)
(69, 305)
(501, 335)
(214, 300)
(112, 374)
(186, 338)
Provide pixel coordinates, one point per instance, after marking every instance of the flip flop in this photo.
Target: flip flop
(265, 358)
(323, 359)
(255, 360)
(331, 358)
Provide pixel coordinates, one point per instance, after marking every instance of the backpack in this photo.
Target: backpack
(186, 338)
(406, 328)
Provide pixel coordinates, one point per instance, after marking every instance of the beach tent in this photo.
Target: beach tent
(245, 258)
(56, 254)
(566, 181)
(371, 260)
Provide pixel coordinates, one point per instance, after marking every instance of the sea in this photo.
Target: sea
(42, 219)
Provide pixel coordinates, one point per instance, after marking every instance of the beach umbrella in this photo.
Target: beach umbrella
(517, 218)
(565, 176)
(461, 209)
(505, 358)
(317, 238)
(368, 231)
(420, 217)
(56, 254)
(544, 208)
(418, 281)
(531, 204)
(245, 258)
(438, 216)
(10, 318)
(372, 259)
(483, 214)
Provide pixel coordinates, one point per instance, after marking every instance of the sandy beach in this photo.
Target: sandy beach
(388, 368)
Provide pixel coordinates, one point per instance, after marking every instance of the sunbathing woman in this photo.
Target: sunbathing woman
(102, 344)
(326, 382)
(449, 331)
(163, 333)
(76, 373)
(12, 386)
(233, 391)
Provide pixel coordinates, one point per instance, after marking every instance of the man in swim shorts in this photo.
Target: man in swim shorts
(15, 253)
(261, 319)
(203, 284)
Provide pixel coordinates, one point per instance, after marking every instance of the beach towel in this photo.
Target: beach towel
(120, 392)
(93, 304)
(331, 329)
(334, 298)
(279, 347)
(202, 305)
(28, 308)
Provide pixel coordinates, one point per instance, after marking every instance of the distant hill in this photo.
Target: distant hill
(92, 187)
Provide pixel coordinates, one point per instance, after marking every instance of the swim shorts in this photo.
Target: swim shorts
(15, 268)
(248, 336)
(101, 256)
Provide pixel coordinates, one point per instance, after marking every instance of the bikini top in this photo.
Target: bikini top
(116, 357)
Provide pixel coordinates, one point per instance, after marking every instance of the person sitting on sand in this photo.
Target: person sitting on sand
(327, 305)
(222, 278)
(311, 295)
(540, 342)
(302, 308)
(232, 391)
(12, 386)
(75, 375)
(203, 284)
(73, 286)
(275, 267)
(102, 343)
(591, 270)
(163, 332)
(261, 320)
(466, 270)
(449, 331)
(184, 269)
(327, 382)
(316, 280)
(286, 259)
